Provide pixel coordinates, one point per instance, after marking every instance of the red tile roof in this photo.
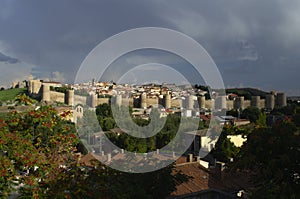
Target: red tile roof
(199, 179)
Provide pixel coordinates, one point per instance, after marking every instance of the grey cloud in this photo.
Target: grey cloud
(8, 59)
(247, 39)
(248, 52)
(57, 35)
(14, 72)
(270, 28)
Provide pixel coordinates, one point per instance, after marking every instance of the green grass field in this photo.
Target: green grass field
(10, 94)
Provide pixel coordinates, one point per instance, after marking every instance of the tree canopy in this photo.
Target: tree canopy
(271, 156)
(38, 159)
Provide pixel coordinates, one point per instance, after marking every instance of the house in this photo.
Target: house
(230, 120)
(206, 183)
(200, 181)
(202, 140)
(237, 140)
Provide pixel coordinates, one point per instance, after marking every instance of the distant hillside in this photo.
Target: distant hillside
(10, 94)
(247, 92)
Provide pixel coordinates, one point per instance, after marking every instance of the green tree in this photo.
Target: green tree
(233, 113)
(262, 120)
(104, 110)
(24, 99)
(41, 145)
(108, 123)
(224, 149)
(271, 156)
(296, 117)
(35, 143)
(251, 113)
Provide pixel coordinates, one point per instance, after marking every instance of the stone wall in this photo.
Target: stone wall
(229, 104)
(102, 101)
(209, 104)
(152, 102)
(36, 88)
(262, 103)
(80, 100)
(57, 97)
(247, 103)
(127, 101)
(176, 103)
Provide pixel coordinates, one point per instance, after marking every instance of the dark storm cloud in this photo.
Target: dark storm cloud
(8, 59)
(57, 35)
(254, 43)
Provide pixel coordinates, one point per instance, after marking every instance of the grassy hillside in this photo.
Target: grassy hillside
(10, 94)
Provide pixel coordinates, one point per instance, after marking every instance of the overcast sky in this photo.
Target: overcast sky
(254, 43)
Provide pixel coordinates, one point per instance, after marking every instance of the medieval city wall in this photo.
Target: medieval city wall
(176, 103)
(80, 100)
(57, 97)
(102, 101)
(36, 89)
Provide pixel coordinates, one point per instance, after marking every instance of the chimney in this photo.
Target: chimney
(218, 169)
(157, 151)
(190, 158)
(122, 150)
(108, 157)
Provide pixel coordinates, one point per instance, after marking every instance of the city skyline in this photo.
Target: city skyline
(251, 46)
